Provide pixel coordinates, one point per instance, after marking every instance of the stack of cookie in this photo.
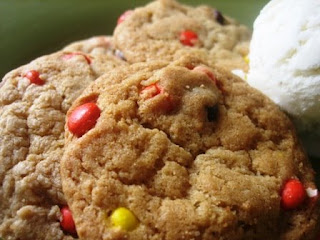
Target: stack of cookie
(148, 135)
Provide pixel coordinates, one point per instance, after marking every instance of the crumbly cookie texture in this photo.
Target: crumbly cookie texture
(182, 151)
(160, 29)
(101, 46)
(33, 102)
(93, 45)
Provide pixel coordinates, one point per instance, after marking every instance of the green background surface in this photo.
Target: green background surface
(31, 28)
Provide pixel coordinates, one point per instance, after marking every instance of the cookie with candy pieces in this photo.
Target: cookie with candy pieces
(33, 102)
(164, 28)
(179, 150)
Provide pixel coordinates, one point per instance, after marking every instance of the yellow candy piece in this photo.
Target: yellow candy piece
(124, 219)
(246, 59)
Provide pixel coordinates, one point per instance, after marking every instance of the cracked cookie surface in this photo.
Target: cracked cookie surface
(182, 151)
(94, 45)
(162, 28)
(33, 102)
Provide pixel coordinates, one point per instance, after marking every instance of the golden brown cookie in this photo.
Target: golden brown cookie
(93, 45)
(178, 150)
(101, 46)
(160, 29)
(33, 102)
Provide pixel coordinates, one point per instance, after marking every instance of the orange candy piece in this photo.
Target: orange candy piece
(293, 194)
(205, 70)
(34, 77)
(67, 222)
(83, 118)
(188, 38)
(70, 55)
(124, 16)
(151, 90)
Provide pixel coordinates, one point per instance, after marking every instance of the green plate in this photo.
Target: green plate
(31, 28)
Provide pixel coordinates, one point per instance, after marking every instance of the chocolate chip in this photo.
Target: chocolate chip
(212, 113)
(219, 17)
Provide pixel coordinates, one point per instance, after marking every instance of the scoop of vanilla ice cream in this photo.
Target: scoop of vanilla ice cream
(285, 62)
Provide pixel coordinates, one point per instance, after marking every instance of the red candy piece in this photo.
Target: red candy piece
(293, 194)
(83, 118)
(34, 77)
(210, 74)
(124, 16)
(190, 66)
(71, 55)
(67, 222)
(188, 38)
(151, 90)
(206, 71)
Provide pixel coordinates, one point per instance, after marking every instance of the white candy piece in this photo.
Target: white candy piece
(312, 192)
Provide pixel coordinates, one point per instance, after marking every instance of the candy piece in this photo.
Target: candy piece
(34, 77)
(293, 194)
(190, 66)
(205, 70)
(151, 91)
(124, 16)
(71, 55)
(212, 113)
(188, 38)
(312, 193)
(166, 104)
(210, 74)
(67, 222)
(83, 118)
(120, 55)
(219, 17)
(124, 219)
(246, 59)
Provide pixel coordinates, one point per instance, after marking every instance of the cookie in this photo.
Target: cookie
(33, 102)
(101, 46)
(93, 45)
(178, 150)
(96, 45)
(162, 28)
